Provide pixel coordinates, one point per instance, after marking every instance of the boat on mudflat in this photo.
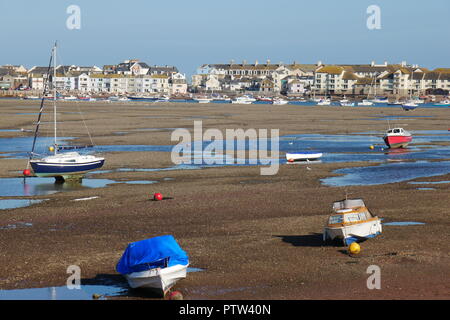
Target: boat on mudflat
(410, 105)
(61, 165)
(65, 165)
(142, 98)
(351, 221)
(397, 138)
(303, 156)
(443, 103)
(279, 101)
(156, 263)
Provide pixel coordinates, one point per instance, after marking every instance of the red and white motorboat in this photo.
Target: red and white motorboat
(397, 138)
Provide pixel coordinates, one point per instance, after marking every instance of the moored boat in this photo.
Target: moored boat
(156, 263)
(365, 102)
(351, 221)
(242, 100)
(303, 156)
(142, 98)
(395, 103)
(324, 102)
(279, 101)
(202, 99)
(65, 164)
(380, 100)
(397, 138)
(409, 105)
(443, 103)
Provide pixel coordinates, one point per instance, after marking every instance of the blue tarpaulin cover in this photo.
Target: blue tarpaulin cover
(151, 253)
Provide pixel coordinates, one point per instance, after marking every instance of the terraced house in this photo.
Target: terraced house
(265, 78)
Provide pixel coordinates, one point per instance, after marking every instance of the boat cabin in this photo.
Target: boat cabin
(350, 216)
(395, 131)
(349, 211)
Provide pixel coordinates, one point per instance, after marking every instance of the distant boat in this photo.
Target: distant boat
(443, 103)
(417, 100)
(347, 104)
(202, 99)
(221, 98)
(279, 101)
(303, 156)
(350, 222)
(344, 101)
(397, 138)
(32, 98)
(380, 100)
(142, 98)
(70, 98)
(365, 102)
(162, 99)
(265, 99)
(324, 102)
(156, 263)
(410, 105)
(395, 103)
(242, 100)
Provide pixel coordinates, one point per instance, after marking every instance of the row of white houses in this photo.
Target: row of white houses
(297, 79)
(133, 76)
(174, 84)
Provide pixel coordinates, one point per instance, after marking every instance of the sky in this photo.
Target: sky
(188, 34)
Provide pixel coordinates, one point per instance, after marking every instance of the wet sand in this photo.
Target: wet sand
(256, 237)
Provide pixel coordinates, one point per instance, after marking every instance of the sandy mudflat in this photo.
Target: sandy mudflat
(256, 237)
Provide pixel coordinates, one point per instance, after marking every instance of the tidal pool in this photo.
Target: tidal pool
(403, 223)
(34, 186)
(17, 203)
(86, 292)
(387, 173)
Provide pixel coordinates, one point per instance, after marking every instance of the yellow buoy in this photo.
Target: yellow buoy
(354, 248)
(371, 147)
(51, 149)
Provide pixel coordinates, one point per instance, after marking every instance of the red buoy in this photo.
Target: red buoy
(26, 172)
(290, 160)
(175, 295)
(157, 196)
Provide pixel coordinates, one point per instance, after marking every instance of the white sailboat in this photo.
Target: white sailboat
(411, 104)
(367, 101)
(65, 164)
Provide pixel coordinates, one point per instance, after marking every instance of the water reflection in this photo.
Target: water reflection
(86, 292)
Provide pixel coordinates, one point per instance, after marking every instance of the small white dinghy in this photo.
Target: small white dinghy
(160, 279)
(156, 263)
(303, 156)
(351, 221)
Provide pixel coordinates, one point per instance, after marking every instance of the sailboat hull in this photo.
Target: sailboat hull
(46, 169)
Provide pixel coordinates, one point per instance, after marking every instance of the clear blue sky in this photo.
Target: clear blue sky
(189, 33)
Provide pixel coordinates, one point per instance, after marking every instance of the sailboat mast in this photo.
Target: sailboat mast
(54, 94)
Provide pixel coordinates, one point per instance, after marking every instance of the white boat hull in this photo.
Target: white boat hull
(303, 156)
(280, 102)
(158, 279)
(65, 165)
(350, 233)
(241, 102)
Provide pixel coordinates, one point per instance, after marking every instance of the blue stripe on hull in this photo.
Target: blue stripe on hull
(351, 239)
(60, 169)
